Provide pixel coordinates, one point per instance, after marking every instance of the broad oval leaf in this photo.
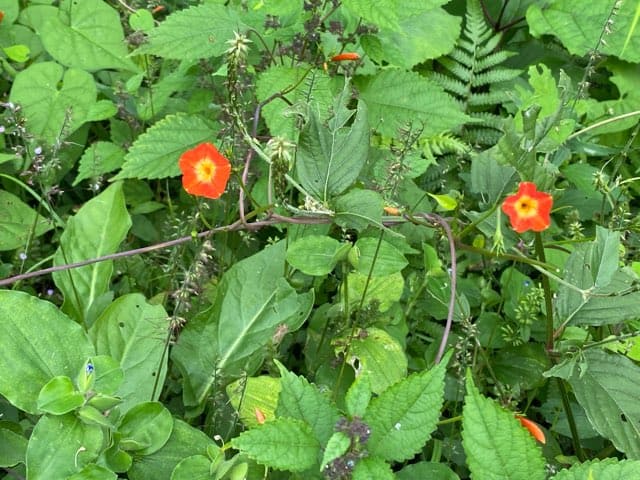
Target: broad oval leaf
(37, 342)
(315, 254)
(145, 428)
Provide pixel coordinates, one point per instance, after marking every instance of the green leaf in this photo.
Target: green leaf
(142, 20)
(254, 393)
(378, 356)
(98, 159)
(195, 467)
(331, 155)
(96, 230)
(86, 35)
(607, 469)
(489, 178)
(283, 444)
(316, 254)
(358, 396)
(38, 343)
(337, 446)
(59, 396)
(19, 222)
(156, 152)
(55, 103)
(435, 471)
(403, 416)
(184, 442)
(193, 33)
(103, 374)
(253, 299)
(303, 401)
(372, 468)
(13, 448)
(606, 387)
(281, 117)
(93, 472)
(61, 446)
(135, 334)
(17, 53)
(145, 428)
(580, 33)
(497, 446)
(383, 13)
(522, 366)
(378, 257)
(385, 291)
(422, 33)
(359, 208)
(396, 98)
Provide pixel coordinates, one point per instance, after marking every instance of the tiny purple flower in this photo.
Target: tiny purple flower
(50, 291)
(37, 150)
(1, 128)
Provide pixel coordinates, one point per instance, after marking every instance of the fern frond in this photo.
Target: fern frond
(496, 75)
(493, 59)
(450, 84)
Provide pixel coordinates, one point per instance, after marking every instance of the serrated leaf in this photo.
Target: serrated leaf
(97, 229)
(284, 444)
(19, 222)
(378, 257)
(607, 390)
(87, 35)
(378, 356)
(372, 468)
(37, 342)
(156, 152)
(606, 469)
(382, 13)
(302, 400)
(580, 33)
(55, 103)
(396, 97)
(193, 33)
(497, 446)
(330, 157)
(134, 333)
(98, 159)
(337, 445)
(403, 416)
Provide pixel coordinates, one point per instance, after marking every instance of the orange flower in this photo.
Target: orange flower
(528, 209)
(533, 427)
(205, 171)
(341, 57)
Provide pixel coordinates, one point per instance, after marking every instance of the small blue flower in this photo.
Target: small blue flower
(89, 368)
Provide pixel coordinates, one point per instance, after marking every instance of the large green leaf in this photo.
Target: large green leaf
(55, 103)
(145, 428)
(284, 444)
(378, 257)
(497, 446)
(96, 230)
(579, 29)
(98, 159)
(607, 469)
(61, 446)
(422, 33)
(331, 155)
(316, 254)
(383, 13)
(303, 401)
(396, 98)
(283, 117)
(184, 442)
(19, 222)
(403, 416)
(252, 301)
(155, 153)
(378, 356)
(193, 33)
(134, 332)
(607, 388)
(86, 35)
(37, 342)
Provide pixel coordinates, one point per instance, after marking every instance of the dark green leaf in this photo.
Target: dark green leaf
(19, 222)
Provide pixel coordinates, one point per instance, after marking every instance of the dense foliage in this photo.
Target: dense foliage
(339, 239)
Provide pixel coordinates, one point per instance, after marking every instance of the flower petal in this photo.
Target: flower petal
(205, 171)
(528, 209)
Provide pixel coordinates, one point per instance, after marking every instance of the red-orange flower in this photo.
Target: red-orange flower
(205, 172)
(528, 209)
(341, 57)
(533, 427)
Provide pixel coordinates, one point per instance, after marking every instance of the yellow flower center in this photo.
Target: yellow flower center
(205, 170)
(526, 207)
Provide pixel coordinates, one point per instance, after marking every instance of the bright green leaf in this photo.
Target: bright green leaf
(384, 290)
(17, 53)
(93, 472)
(403, 417)
(337, 445)
(87, 35)
(606, 469)
(254, 393)
(148, 425)
(98, 159)
(284, 444)
(372, 468)
(37, 342)
(378, 257)
(155, 153)
(97, 229)
(59, 396)
(496, 444)
(19, 222)
(142, 20)
(195, 467)
(315, 254)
